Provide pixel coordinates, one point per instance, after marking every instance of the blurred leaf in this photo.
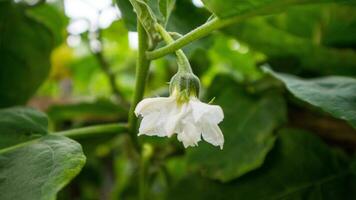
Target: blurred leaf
(51, 18)
(40, 168)
(25, 47)
(330, 25)
(166, 7)
(186, 17)
(247, 127)
(299, 167)
(230, 8)
(335, 95)
(292, 53)
(228, 55)
(34, 165)
(99, 109)
(183, 18)
(21, 124)
(128, 14)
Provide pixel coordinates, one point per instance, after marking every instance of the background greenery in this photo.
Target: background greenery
(284, 76)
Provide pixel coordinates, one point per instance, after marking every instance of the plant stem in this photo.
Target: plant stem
(106, 129)
(183, 62)
(142, 66)
(193, 35)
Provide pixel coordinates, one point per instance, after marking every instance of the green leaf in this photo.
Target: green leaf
(330, 25)
(229, 56)
(294, 52)
(128, 14)
(232, 8)
(21, 124)
(179, 16)
(299, 167)
(51, 18)
(33, 164)
(248, 126)
(166, 8)
(147, 18)
(40, 168)
(335, 95)
(25, 48)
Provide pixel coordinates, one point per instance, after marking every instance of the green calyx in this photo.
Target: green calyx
(184, 85)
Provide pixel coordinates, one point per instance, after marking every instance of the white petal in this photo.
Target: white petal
(213, 134)
(152, 125)
(149, 105)
(212, 113)
(173, 121)
(190, 136)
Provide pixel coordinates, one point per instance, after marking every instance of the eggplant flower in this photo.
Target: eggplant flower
(181, 113)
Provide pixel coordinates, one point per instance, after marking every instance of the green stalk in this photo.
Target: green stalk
(106, 129)
(193, 35)
(182, 59)
(142, 66)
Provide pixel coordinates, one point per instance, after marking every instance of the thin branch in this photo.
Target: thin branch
(196, 34)
(106, 129)
(106, 68)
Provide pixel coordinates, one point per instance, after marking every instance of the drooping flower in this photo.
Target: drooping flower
(181, 113)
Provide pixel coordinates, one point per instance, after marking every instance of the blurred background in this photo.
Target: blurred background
(75, 60)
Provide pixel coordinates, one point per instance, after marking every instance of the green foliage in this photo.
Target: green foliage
(40, 168)
(19, 125)
(232, 8)
(276, 146)
(51, 18)
(335, 95)
(25, 62)
(299, 167)
(298, 41)
(248, 126)
(86, 111)
(34, 164)
(146, 16)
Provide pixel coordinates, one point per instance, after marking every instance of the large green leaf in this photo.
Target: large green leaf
(25, 47)
(33, 164)
(40, 168)
(21, 124)
(180, 16)
(128, 14)
(335, 95)
(330, 25)
(230, 8)
(293, 52)
(51, 18)
(299, 167)
(248, 126)
(160, 9)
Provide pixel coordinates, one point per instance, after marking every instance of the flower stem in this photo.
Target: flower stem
(142, 66)
(183, 62)
(106, 129)
(193, 35)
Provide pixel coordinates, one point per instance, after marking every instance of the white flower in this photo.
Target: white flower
(190, 120)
